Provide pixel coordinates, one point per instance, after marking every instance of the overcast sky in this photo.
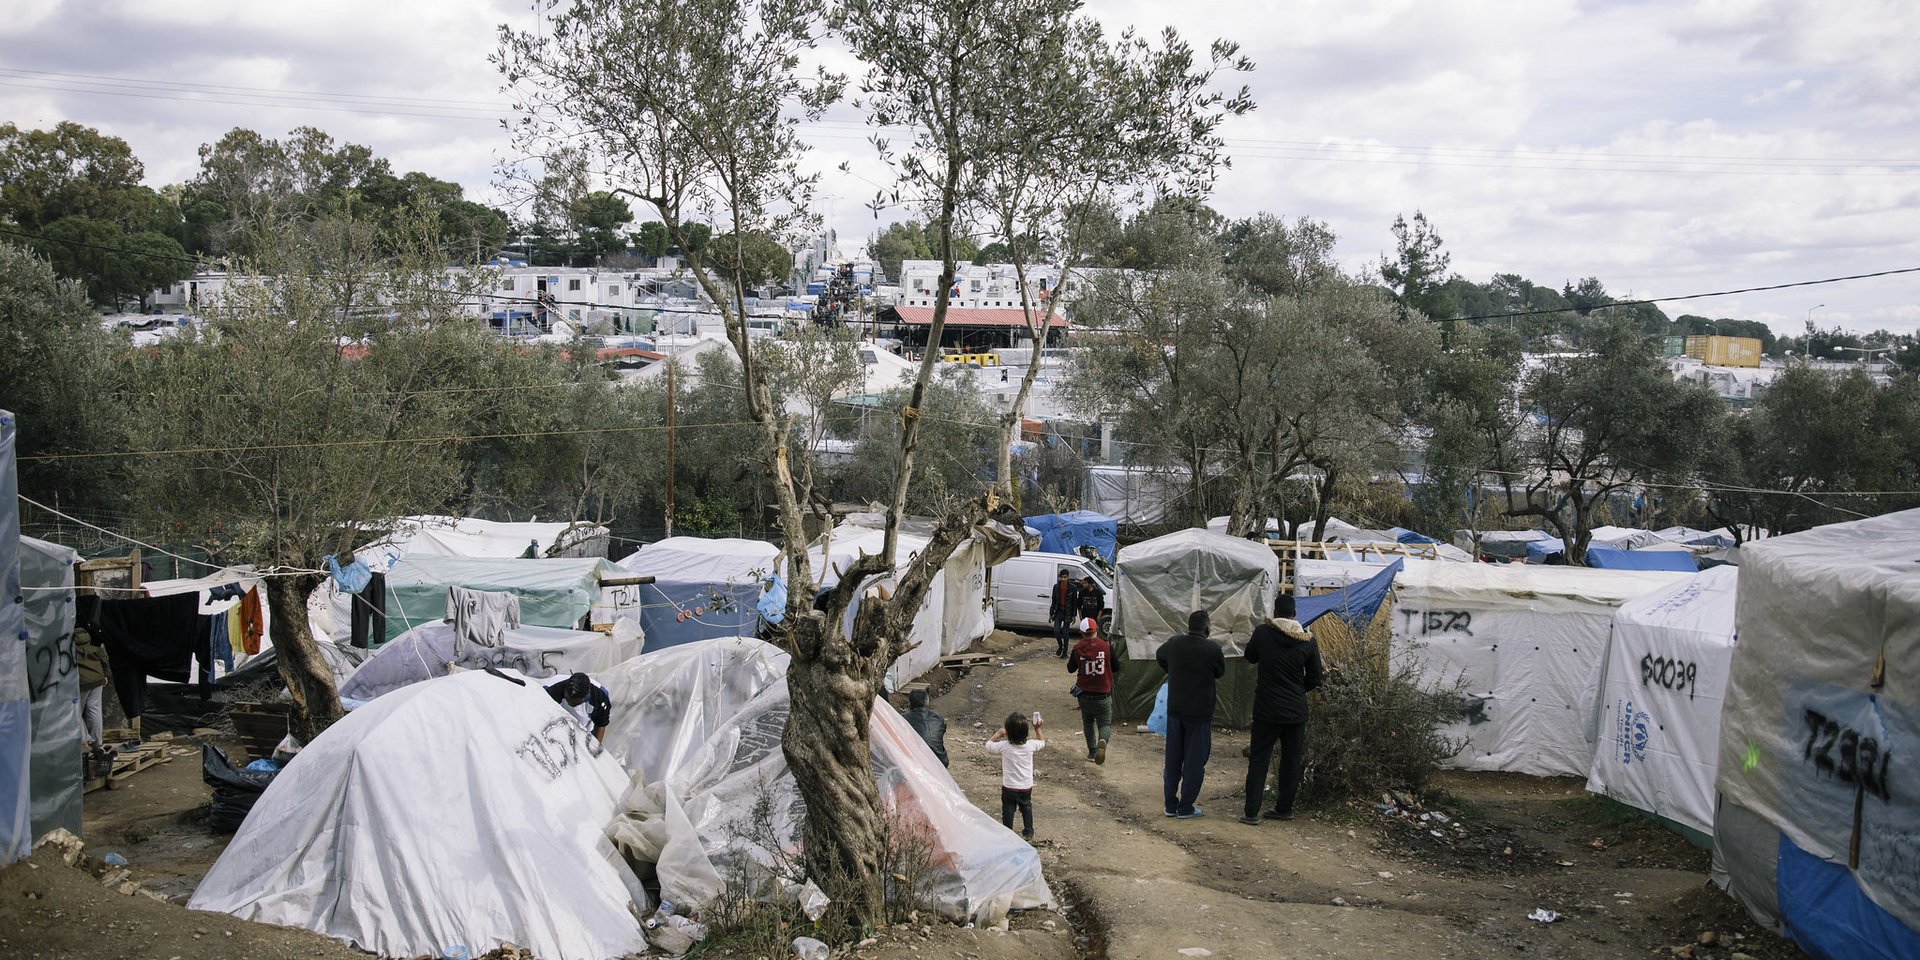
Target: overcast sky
(1667, 148)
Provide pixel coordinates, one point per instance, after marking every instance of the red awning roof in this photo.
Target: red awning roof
(972, 317)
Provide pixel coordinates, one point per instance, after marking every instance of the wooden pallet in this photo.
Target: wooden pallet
(963, 662)
(126, 763)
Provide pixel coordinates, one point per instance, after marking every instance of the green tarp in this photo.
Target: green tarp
(553, 593)
(1140, 681)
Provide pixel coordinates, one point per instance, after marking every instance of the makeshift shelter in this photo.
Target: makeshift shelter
(328, 608)
(553, 593)
(1650, 558)
(1692, 537)
(956, 612)
(53, 685)
(1134, 495)
(1621, 538)
(701, 588)
(1818, 828)
(1068, 532)
(1656, 723)
(1523, 643)
(444, 819)
(433, 650)
(1502, 544)
(16, 724)
(1160, 581)
(700, 725)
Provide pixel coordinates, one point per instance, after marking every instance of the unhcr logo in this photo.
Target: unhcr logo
(1632, 731)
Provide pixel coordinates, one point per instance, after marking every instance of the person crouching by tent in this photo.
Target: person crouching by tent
(1094, 667)
(1288, 662)
(585, 701)
(931, 726)
(1062, 605)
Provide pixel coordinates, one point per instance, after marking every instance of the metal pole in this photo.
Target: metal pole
(670, 365)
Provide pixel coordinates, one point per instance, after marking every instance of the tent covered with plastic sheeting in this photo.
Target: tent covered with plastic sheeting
(1818, 828)
(704, 560)
(1656, 723)
(700, 725)
(1649, 558)
(955, 613)
(53, 682)
(553, 593)
(702, 588)
(1524, 643)
(1068, 532)
(442, 820)
(16, 726)
(1505, 544)
(1160, 581)
(328, 608)
(1621, 538)
(1694, 537)
(1133, 495)
(432, 650)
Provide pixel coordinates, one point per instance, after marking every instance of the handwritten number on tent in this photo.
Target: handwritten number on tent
(1860, 759)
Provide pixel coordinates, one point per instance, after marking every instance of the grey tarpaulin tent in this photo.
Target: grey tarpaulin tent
(1818, 828)
(53, 680)
(16, 730)
(1160, 581)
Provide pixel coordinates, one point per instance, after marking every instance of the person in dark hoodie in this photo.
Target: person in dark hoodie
(1194, 664)
(1288, 665)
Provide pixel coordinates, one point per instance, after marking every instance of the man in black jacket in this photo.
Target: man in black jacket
(1062, 606)
(1193, 664)
(1288, 662)
(931, 726)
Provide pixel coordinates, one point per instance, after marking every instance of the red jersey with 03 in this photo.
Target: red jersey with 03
(1095, 666)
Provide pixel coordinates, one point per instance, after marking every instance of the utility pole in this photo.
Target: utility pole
(670, 365)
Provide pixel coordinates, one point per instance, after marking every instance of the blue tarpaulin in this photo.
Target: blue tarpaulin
(1538, 550)
(1068, 532)
(1829, 916)
(1408, 536)
(1356, 603)
(675, 613)
(1616, 559)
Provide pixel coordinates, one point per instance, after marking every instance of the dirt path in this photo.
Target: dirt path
(1335, 885)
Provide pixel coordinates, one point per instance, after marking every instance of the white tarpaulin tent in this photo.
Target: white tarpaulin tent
(955, 613)
(1524, 642)
(443, 820)
(1160, 581)
(700, 725)
(328, 609)
(430, 650)
(704, 560)
(1656, 723)
(1819, 825)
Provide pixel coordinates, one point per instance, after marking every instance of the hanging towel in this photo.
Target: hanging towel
(236, 631)
(222, 646)
(481, 616)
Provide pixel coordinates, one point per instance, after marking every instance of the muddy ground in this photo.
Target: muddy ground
(1350, 881)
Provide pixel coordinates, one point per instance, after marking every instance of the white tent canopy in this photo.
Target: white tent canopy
(1622, 538)
(453, 815)
(1656, 724)
(703, 560)
(1161, 581)
(1524, 642)
(431, 650)
(700, 725)
(328, 609)
(956, 612)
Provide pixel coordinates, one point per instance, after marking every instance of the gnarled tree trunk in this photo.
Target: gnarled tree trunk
(309, 679)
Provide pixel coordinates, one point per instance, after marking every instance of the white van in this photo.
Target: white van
(1022, 585)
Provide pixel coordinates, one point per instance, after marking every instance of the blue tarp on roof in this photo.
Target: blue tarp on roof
(1614, 559)
(1356, 603)
(1068, 532)
(1538, 550)
(1408, 536)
